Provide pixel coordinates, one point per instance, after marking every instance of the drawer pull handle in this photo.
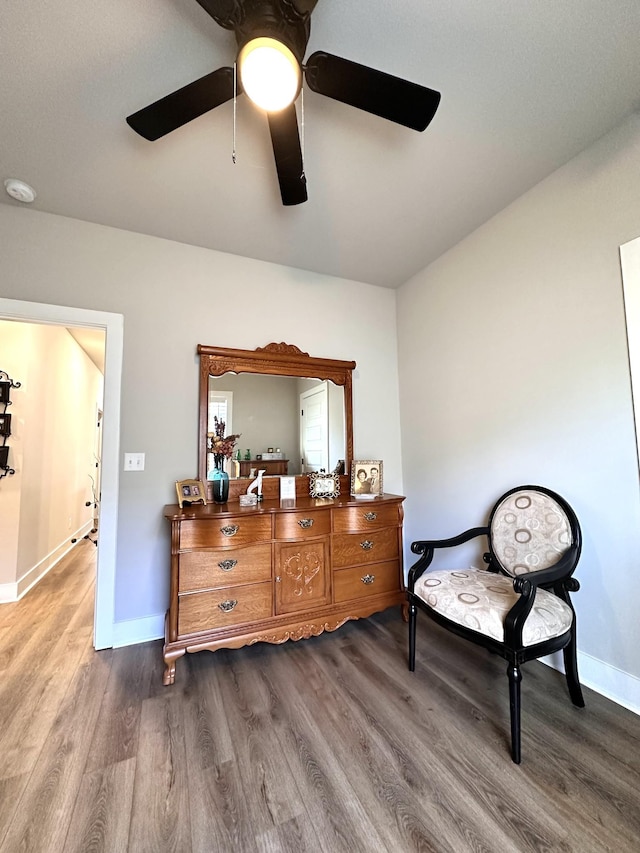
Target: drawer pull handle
(230, 529)
(368, 579)
(227, 565)
(228, 605)
(305, 523)
(370, 516)
(367, 545)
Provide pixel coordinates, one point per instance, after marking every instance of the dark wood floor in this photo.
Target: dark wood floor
(329, 744)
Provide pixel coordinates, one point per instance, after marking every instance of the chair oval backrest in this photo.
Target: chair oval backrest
(530, 530)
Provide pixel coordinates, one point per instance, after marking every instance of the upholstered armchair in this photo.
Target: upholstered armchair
(519, 606)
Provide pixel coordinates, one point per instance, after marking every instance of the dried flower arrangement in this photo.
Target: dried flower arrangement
(219, 443)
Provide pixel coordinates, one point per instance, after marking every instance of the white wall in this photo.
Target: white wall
(514, 369)
(174, 297)
(53, 427)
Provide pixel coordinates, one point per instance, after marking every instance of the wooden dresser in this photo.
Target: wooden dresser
(244, 575)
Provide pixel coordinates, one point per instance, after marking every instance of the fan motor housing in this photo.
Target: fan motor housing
(276, 19)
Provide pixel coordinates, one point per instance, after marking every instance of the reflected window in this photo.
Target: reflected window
(221, 407)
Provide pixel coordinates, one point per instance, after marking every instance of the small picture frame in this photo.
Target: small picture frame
(5, 425)
(5, 390)
(190, 492)
(366, 479)
(322, 485)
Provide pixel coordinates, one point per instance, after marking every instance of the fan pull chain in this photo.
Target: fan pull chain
(235, 99)
(302, 128)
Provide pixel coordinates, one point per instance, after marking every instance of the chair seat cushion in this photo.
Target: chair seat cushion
(480, 601)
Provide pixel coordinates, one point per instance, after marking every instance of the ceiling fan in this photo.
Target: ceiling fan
(276, 32)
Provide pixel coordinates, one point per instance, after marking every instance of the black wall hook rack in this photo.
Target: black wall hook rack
(6, 384)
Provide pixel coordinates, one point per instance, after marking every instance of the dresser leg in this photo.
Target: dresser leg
(169, 673)
(404, 611)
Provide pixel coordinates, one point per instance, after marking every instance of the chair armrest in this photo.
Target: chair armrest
(422, 545)
(517, 616)
(558, 573)
(427, 547)
(554, 579)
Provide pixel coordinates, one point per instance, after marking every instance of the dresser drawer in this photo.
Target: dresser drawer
(223, 608)
(222, 567)
(301, 524)
(238, 530)
(351, 549)
(359, 581)
(368, 516)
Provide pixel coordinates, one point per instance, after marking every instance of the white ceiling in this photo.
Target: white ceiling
(525, 86)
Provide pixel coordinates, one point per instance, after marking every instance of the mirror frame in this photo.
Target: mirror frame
(271, 360)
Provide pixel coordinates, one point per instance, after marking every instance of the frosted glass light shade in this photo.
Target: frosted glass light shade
(269, 73)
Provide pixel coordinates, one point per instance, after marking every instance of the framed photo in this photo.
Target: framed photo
(5, 388)
(366, 478)
(191, 492)
(5, 424)
(323, 485)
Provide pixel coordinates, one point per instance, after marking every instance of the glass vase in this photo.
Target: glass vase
(219, 480)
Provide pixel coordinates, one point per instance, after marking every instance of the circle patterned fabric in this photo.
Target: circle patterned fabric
(529, 532)
(480, 600)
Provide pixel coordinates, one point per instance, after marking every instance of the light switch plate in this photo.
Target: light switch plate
(134, 461)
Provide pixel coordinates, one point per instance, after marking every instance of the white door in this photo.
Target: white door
(314, 429)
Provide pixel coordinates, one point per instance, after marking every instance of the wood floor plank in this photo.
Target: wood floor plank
(250, 710)
(117, 728)
(296, 834)
(219, 806)
(160, 816)
(102, 813)
(54, 782)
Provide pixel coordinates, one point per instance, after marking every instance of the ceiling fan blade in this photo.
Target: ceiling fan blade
(374, 91)
(180, 107)
(224, 12)
(285, 139)
(303, 7)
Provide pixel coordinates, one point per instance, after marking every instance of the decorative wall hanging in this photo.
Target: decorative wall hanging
(6, 384)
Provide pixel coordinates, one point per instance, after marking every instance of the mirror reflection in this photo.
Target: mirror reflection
(295, 425)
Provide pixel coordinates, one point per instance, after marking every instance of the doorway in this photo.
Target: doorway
(314, 429)
(113, 326)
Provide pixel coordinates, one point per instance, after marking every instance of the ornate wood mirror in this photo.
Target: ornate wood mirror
(249, 375)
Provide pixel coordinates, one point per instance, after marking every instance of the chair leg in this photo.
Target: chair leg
(570, 656)
(413, 611)
(515, 677)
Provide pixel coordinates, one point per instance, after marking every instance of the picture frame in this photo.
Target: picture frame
(323, 485)
(191, 492)
(5, 424)
(366, 479)
(5, 390)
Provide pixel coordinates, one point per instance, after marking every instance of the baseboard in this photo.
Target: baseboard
(133, 631)
(621, 687)
(15, 591)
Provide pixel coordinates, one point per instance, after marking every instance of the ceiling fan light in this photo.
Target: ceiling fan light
(269, 73)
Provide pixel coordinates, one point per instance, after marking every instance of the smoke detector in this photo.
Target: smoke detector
(19, 190)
